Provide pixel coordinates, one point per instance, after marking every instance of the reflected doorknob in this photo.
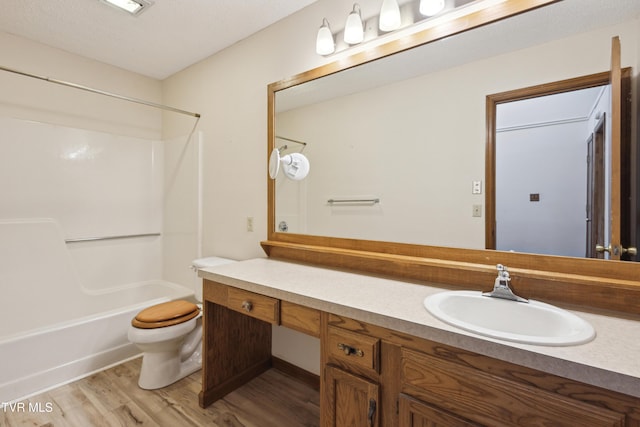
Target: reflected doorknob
(630, 251)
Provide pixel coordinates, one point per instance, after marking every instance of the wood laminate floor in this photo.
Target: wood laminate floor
(113, 398)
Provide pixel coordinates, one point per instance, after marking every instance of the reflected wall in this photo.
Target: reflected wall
(418, 144)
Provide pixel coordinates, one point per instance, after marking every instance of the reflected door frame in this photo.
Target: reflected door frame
(583, 82)
(595, 222)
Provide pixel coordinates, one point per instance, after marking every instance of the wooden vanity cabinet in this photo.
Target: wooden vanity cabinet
(423, 383)
(376, 377)
(237, 326)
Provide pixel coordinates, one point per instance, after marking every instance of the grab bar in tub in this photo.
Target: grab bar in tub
(124, 236)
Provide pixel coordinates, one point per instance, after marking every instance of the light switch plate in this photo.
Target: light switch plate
(476, 187)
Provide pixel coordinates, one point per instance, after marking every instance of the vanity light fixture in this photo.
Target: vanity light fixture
(325, 45)
(134, 7)
(392, 25)
(354, 29)
(389, 16)
(431, 7)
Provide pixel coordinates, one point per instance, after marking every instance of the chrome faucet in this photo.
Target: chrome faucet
(501, 287)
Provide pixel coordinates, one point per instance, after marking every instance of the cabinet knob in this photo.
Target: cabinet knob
(348, 350)
(247, 305)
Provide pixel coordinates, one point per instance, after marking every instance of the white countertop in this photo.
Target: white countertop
(611, 360)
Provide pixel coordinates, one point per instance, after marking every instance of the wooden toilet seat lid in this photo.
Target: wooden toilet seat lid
(165, 314)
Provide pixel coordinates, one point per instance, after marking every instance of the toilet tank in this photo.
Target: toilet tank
(207, 262)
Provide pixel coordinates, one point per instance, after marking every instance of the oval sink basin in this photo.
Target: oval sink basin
(530, 323)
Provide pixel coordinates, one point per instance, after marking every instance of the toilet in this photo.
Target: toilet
(170, 335)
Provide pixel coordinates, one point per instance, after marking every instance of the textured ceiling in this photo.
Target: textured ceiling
(166, 38)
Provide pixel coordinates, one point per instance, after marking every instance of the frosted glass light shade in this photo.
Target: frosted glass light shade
(353, 29)
(324, 41)
(389, 16)
(431, 7)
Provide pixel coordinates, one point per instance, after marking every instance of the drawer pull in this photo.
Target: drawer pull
(348, 350)
(247, 305)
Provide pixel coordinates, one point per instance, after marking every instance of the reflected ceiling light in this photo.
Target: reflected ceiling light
(324, 41)
(389, 16)
(431, 7)
(295, 165)
(134, 7)
(353, 29)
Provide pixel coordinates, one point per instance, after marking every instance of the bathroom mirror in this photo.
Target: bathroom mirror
(389, 130)
(547, 49)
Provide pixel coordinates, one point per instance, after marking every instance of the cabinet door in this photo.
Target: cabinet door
(350, 400)
(414, 413)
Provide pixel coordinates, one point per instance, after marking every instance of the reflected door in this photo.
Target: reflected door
(595, 224)
(619, 169)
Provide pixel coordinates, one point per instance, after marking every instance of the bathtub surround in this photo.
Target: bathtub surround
(84, 210)
(79, 329)
(92, 184)
(84, 165)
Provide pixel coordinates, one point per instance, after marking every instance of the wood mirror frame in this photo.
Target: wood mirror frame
(607, 285)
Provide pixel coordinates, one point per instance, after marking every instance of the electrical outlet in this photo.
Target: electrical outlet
(249, 223)
(477, 211)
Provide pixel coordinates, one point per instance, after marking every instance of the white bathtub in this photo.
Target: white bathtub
(42, 358)
(66, 298)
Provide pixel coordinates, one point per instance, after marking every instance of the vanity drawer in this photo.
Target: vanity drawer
(254, 305)
(300, 318)
(353, 350)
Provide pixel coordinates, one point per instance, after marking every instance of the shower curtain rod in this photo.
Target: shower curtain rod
(100, 92)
